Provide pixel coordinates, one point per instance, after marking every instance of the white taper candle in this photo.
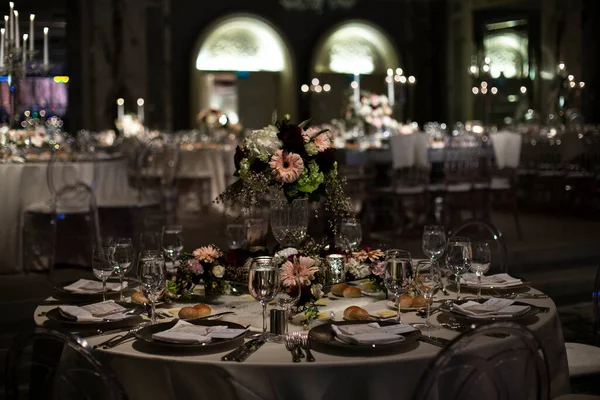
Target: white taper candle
(25, 51)
(46, 46)
(11, 24)
(17, 34)
(140, 110)
(120, 108)
(2, 33)
(390, 84)
(31, 20)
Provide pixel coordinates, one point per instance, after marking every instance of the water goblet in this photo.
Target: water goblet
(398, 275)
(236, 235)
(434, 245)
(263, 284)
(151, 273)
(172, 242)
(458, 258)
(122, 257)
(102, 266)
(289, 221)
(430, 288)
(349, 234)
(482, 257)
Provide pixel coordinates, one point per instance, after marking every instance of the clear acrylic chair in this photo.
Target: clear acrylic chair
(481, 231)
(480, 365)
(71, 195)
(47, 364)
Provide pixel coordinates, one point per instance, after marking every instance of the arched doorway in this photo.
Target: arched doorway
(242, 66)
(352, 47)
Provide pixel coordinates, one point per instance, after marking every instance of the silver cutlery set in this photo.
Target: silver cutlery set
(295, 343)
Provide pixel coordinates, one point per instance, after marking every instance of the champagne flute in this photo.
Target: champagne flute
(263, 284)
(482, 258)
(102, 266)
(458, 258)
(434, 244)
(398, 275)
(172, 242)
(349, 234)
(152, 277)
(122, 259)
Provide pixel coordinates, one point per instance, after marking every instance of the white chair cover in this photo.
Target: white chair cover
(507, 149)
(403, 151)
(421, 150)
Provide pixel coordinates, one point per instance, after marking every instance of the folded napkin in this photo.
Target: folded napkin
(98, 312)
(86, 286)
(498, 280)
(187, 333)
(371, 333)
(492, 308)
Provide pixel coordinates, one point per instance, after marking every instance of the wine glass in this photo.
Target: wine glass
(236, 235)
(289, 221)
(434, 244)
(122, 259)
(172, 242)
(398, 275)
(349, 234)
(263, 284)
(102, 265)
(151, 272)
(286, 297)
(458, 258)
(430, 287)
(149, 241)
(482, 258)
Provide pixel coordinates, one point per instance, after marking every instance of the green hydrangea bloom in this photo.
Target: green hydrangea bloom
(311, 148)
(245, 169)
(310, 179)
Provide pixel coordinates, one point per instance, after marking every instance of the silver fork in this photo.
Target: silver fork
(303, 337)
(288, 340)
(298, 343)
(109, 344)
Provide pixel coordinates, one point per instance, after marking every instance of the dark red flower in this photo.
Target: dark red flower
(325, 160)
(237, 257)
(238, 157)
(258, 166)
(292, 139)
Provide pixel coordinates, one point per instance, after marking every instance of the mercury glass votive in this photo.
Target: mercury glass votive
(336, 268)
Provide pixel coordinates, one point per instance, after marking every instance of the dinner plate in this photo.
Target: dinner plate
(214, 346)
(392, 305)
(323, 339)
(62, 294)
(55, 315)
(473, 285)
(446, 308)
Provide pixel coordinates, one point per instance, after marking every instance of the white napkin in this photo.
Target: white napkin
(98, 312)
(498, 280)
(185, 332)
(371, 333)
(86, 286)
(492, 308)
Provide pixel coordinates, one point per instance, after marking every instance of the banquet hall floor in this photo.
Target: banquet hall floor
(558, 255)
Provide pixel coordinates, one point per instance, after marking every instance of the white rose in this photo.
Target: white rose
(316, 290)
(218, 271)
(357, 269)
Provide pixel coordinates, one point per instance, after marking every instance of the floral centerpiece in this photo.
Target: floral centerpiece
(373, 109)
(291, 159)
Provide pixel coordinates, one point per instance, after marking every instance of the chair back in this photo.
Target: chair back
(477, 366)
(53, 365)
(482, 231)
(67, 181)
(462, 159)
(507, 149)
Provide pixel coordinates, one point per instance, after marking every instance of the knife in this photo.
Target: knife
(214, 315)
(233, 355)
(248, 350)
(436, 341)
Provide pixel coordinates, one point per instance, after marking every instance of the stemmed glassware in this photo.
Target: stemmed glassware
(236, 235)
(458, 258)
(172, 242)
(102, 265)
(122, 257)
(430, 288)
(482, 258)
(149, 241)
(263, 284)
(398, 275)
(349, 234)
(434, 245)
(289, 221)
(151, 271)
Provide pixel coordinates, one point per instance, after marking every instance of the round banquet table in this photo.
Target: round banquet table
(25, 184)
(270, 374)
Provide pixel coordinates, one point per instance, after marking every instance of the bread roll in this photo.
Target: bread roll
(139, 298)
(406, 301)
(338, 289)
(419, 301)
(189, 313)
(355, 313)
(204, 310)
(352, 291)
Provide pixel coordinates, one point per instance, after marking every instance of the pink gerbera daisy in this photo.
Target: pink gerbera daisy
(298, 272)
(323, 142)
(286, 167)
(207, 254)
(309, 134)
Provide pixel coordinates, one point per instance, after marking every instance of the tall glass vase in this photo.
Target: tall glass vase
(289, 221)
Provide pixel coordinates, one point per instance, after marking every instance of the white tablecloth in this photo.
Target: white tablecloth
(24, 185)
(270, 374)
